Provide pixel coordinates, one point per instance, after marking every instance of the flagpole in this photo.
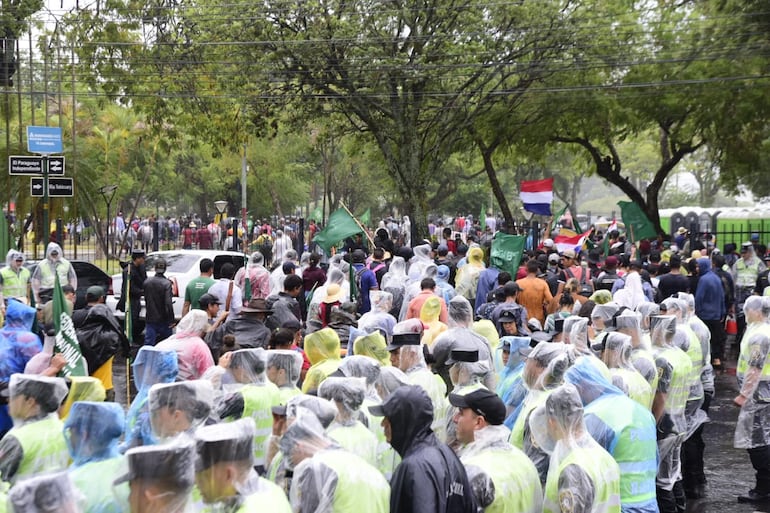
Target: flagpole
(129, 334)
(369, 237)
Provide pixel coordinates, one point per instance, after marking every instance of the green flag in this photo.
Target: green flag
(575, 224)
(638, 226)
(128, 325)
(483, 217)
(317, 214)
(506, 252)
(5, 236)
(66, 339)
(557, 217)
(340, 226)
(366, 217)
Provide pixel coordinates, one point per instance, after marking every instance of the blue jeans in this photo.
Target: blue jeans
(155, 332)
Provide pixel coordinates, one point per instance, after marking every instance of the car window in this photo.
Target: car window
(175, 262)
(238, 261)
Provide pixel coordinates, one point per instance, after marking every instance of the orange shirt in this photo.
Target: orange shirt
(535, 296)
(415, 305)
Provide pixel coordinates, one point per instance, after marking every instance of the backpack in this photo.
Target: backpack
(585, 288)
(607, 281)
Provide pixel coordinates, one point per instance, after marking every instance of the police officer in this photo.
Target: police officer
(44, 277)
(745, 272)
(43, 493)
(179, 407)
(14, 279)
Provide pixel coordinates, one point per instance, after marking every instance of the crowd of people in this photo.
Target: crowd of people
(393, 378)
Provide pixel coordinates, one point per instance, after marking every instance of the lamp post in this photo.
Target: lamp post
(221, 207)
(108, 193)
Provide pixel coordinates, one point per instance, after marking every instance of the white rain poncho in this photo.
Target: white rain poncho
(93, 432)
(756, 311)
(225, 464)
(576, 333)
(412, 362)
(327, 478)
(257, 274)
(44, 276)
(632, 293)
(629, 323)
(389, 380)
(580, 471)
(394, 281)
(347, 429)
(378, 318)
(704, 336)
(334, 276)
(46, 493)
(181, 407)
(420, 262)
(490, 452)
(617, 356)
(284, 368)
(19, 292)
(161, 477)
(601, 315)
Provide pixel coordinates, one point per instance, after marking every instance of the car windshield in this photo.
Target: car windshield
(175, 262)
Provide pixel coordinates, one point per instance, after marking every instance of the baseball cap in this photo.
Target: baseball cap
(548, 243)
(94, 292)
(554, 258)
(568, 253)
(507, 316)
(611, 261)
(208, 299)
(482, 402)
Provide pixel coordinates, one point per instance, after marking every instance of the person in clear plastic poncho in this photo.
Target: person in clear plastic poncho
(542, 373)
(601, 316)
(467, 374)
(467, 278)
(335, 276)
(323, 351)
(225, 474)
(625, 429)
(36, 443)
(14, 279)
(151, 366)
(193, 355)
(326, 478)
(389, 380)
(45, 493)
(255, 398)
(460, 335)
(284, 368)
(501, 476)
(347, 429)
(752, 431)
(408, 355)
(279, 470)
(181, 407)
(616, 353)
(44, 277)
(576, 338)
(582, 476)
(93, 432)
(378, 319)
(668, 408)
(161, 478)
(629, 323)
(394, 281)
(487, 330)
(429, 315)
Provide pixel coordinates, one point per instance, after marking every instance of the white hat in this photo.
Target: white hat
(548, 243)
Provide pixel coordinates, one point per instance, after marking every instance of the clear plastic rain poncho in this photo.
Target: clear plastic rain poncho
(334, 275)
(753, 427)
(374, 346)
(601, 315)
(576, 333)
(257, 274)
(389, 380)
(323, 350)
(151, 366)
(181, 407)
(321, 467)
(229, 447)
(19, 293)
(284, 368)
(413, 288)
(394, 281)
(629, 323)
(617, 356)
(92, 432)
(193, 355)
(46, 493)
(161, 477)
(578, 465)
(756, 310)
(359, 366)
(418, 265)
(377, 319)
(347, 429)
(82, 388)
(46, 280)
(510, 386)
(704, 336)
(247, 367)
(412, 362)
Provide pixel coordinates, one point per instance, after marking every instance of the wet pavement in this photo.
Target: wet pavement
(728, 470)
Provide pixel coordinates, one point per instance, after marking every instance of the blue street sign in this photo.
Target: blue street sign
(44, 139)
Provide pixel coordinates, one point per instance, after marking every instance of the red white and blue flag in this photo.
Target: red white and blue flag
(537, 196)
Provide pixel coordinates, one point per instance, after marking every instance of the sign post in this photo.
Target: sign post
(45, 140)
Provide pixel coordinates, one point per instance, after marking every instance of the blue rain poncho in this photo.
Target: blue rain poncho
(151, 366)
(510, 387)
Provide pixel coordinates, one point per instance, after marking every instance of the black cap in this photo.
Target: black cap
(507, 316)
(461, 355)
(208, 299)
(137, 253)
(482, 402)
(404, 339)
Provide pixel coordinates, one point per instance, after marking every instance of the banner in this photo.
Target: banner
(537, 196)
(506, 252)
(638, 226)
(340, 226)
(66, 339)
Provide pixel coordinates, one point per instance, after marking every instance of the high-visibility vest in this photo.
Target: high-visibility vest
(258, 401)
(47, 279)
(638, 388)
(635, 448)
(355, 438)
(94, 481)
(436, 389)
(515, 478)
(15, 285)
(743, 356)
(602, 470)
(746, 275)
(534, 399)
(695, 352)
(43, 446)
(269, 497)
(679, 389)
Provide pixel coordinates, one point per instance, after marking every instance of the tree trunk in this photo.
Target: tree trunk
(497, 189)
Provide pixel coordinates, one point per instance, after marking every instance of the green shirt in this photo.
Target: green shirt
(195, 289)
